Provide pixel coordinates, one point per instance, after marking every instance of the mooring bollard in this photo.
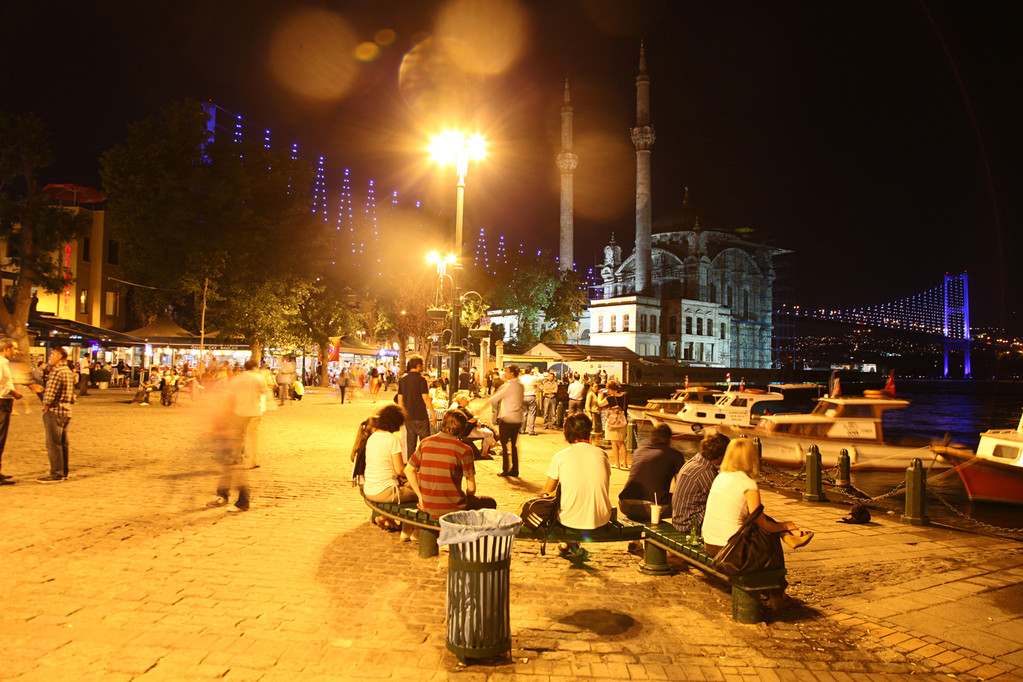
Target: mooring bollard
(843, 480)
(814, 491)
(560, 415)
(916, 494)
(760, 451)
(630, 436)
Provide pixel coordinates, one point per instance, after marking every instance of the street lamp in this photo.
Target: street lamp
(451, 146)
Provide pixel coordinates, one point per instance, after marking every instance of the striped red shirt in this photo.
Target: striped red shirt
(440, 462)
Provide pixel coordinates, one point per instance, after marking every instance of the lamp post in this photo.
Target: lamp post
(457, 147)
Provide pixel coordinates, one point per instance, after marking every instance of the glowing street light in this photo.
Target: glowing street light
(459, 148)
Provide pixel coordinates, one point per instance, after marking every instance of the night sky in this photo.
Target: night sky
(876, 140)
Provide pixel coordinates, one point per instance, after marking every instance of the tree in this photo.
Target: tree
(33, 227)
(176, 192)
(323, 311)
(549, 302)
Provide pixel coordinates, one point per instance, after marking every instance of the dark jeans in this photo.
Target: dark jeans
(6, 405)
(415, 431)
(56, 442)
(508, 432)
(639, 510)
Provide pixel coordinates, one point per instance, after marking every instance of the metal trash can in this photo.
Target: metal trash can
(480, 543)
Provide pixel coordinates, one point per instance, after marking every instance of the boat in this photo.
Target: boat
(693, 394)
(850, 423)
(994, 473)
(740, 410)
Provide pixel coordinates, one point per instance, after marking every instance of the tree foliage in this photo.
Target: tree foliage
(200, 212)
(31, 223)
(549, 302)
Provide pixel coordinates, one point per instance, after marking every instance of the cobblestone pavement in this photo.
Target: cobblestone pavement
(122, 573)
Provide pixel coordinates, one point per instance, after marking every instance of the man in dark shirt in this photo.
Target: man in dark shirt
(693, 484)
(653, 467)
(414, 397)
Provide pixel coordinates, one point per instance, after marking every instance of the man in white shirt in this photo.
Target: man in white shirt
(8, 394)
(576, 394)
(510, 397)
(530, 382)
(584, 473)
(250, 392)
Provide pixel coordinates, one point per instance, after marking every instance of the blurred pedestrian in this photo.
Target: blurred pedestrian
(8, 394)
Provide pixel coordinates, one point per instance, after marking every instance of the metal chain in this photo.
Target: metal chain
(963, 516)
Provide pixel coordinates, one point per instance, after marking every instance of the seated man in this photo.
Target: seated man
(693, 482)
(584, 474)
(473, 429)
(650, 476)
(436, 469)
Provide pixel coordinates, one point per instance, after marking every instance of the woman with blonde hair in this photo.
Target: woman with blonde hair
(733, 496)
(616, 402)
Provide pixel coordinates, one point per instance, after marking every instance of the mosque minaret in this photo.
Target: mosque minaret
(567, 161)
(643, 138)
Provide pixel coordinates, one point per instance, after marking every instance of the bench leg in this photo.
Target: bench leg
(745, 605)
(428, 543)
(655, 560)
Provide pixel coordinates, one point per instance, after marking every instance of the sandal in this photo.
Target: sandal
(797, 541)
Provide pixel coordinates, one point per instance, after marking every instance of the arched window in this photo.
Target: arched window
(625, 322)
(689, 324)
(672, 324)
(723, 329)
(642, 323)
(653, 323)
(710, 327)
(600, 324)
(699, 326)
(611, 328)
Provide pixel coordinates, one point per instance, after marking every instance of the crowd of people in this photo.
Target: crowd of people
(400, 458)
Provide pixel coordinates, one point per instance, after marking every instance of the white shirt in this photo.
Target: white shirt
(584, 474)
(510, 396)
(576, 390)
(247, 389)
(380, 475)
(6, 378)
(529, 382)
(726, 506)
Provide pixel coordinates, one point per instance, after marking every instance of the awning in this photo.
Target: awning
(51, 329)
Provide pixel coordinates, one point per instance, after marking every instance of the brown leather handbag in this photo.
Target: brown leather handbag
(750, 550)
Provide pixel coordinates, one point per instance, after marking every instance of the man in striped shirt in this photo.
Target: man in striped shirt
(436, 469)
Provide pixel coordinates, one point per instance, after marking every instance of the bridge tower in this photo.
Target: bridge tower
(956, 318)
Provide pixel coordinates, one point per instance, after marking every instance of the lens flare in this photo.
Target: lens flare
(367, 52)
(487, 36)
(384, 37)
(432, 84)
(312, 54)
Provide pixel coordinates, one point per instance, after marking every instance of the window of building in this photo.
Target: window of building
(642, 323)
(672, 324)
(710, 352)
(642, 350)
(687, 351)
(86, 249)
(710, 327)
(699, 326)
(689, 324)
(600, 324)
(83, 302)
(625, 322)
(611, 327)
(653, 323)
(111, 303)
(723, 329)
(113, 252)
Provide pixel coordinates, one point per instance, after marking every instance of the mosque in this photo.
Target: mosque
(691, 291)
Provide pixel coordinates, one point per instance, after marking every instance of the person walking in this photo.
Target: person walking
(8, 394)
(616, 403)
(510, 397)
(286, 378)
(414, 398)
(57, 400)
(250, 393)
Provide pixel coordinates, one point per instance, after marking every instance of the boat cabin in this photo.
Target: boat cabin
(844, 418)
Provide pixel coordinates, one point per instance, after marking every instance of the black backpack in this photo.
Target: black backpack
(538, 515)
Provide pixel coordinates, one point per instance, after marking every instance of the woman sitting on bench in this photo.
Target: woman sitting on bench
(733, 495)
(385, 478)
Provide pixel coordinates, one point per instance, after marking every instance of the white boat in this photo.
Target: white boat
(994, 473)
(740, 410)
(693, 394)
(850, 423)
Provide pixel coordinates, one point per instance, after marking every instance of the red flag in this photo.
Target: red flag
(742, 384)
(889, 387)
(333, 349)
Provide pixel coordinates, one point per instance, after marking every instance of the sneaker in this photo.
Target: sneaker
(235, 508)
(217, 502)
(50, 479)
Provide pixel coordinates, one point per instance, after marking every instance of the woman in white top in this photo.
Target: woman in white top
(733, 495)
(384, 464)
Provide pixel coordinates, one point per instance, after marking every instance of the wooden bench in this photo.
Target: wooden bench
(429, 528)
(746, 589)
